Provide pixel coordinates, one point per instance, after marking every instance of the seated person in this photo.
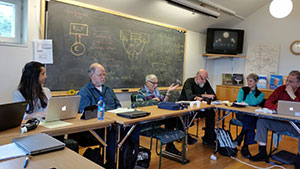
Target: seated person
(90, 94)
(198, 88)
(253, 97)
(289, 92)
(31, 89)
(150, 92)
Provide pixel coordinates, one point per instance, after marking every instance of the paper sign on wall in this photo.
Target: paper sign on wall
(43, 51)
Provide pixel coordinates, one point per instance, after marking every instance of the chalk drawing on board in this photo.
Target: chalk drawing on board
(78, 29)
(262, 59)
(133, 43)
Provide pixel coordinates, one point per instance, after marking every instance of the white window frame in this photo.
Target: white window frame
(18, 22)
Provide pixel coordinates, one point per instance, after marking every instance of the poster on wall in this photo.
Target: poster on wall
(262, 59)
(43, 51)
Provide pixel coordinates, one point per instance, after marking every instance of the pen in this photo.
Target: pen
(26, 162)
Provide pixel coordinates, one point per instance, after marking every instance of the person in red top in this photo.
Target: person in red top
(288, 92)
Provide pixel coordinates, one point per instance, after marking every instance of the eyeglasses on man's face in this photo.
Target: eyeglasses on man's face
(154, 83)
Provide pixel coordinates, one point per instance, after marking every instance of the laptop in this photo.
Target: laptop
(133, 114)
(11, 115)
(38, 143)
(289, 108)
(61, 108)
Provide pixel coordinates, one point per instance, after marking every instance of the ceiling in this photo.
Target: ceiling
(163, 12)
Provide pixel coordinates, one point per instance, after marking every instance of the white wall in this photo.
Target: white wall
(195, 45)
(262, 28)
(13, 58)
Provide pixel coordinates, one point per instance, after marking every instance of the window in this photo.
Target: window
(10, 21)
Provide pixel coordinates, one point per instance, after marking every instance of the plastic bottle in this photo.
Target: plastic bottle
(101, 109)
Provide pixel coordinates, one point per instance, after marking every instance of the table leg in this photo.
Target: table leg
(120, 143)
(103, 142)
(295, 126)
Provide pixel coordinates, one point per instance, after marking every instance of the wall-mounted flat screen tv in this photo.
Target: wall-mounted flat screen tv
(224, 41)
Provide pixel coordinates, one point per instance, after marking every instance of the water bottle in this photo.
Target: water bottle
(101, 109)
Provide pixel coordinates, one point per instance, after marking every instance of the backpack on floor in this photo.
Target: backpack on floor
(128, 154)
(143, 159)
(225, 144)
(94, 155)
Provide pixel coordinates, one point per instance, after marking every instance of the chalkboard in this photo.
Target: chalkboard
(129, 49)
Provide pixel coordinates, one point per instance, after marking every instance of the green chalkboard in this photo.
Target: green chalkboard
(127, 48)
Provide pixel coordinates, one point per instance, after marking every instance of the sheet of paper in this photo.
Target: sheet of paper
(43, 51)
(11, 150)
(55, 124)
(121, 110)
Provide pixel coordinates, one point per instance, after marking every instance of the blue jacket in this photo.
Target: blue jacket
(90, 96)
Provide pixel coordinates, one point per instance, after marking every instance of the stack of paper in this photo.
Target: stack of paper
(121, 110)
(11, 150)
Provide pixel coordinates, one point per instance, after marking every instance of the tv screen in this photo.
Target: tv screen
(224, 41)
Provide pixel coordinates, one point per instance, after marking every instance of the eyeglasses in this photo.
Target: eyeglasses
(155, 83)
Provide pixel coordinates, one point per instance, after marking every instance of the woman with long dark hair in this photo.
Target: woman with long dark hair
(31, 90)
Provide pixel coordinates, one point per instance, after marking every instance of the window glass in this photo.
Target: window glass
(10, 21)
(7, 19)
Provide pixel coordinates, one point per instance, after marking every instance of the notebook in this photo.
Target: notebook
(60, 108)
(289, 108)
(11, 115)
(38, 143)
(133, 114)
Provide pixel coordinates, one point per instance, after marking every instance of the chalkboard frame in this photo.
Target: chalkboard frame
(43, 32)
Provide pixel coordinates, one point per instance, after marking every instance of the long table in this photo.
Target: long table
(77, 126)
(62, 159)
(156, 115)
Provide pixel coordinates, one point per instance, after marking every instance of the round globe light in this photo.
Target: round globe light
(281, 8)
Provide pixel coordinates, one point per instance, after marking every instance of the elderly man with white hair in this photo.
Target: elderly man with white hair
(150, 92)
(198, 88)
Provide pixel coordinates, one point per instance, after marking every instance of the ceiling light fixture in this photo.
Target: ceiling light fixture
(281, 8)
(221, 8)
(194, 7)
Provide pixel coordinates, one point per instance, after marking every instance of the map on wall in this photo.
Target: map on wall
(262, 59)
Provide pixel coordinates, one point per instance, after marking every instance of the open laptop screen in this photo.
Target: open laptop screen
(11, 115)
(289, 108)
(63, 107)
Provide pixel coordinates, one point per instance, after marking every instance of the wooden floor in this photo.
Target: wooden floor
(199, 154)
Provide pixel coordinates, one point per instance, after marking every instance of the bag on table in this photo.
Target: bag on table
(171, 106)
